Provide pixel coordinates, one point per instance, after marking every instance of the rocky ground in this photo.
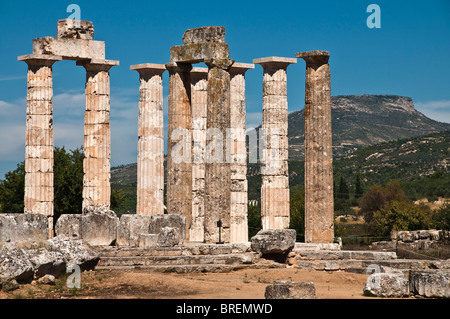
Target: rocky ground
(241, 284)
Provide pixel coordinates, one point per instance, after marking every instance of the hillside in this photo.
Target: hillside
(362, 120)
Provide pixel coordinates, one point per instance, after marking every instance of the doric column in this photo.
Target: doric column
(150, 163)
(179, 145)
(274, 150)
(97, 135)
(237, 152)
(39, 193)
(319, 225)
(217, 169)
(199, 94)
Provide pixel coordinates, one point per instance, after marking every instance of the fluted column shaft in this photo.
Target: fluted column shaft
(217, 169)
(274, 150)
(39, 193)
(237, 152)
(97, 136)
(199, 96)
(179, 147)
(319, 206)
(150, 163)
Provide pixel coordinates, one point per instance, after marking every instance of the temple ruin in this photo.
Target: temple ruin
(206, 147)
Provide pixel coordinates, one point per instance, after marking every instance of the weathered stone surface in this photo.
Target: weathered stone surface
(147, 240)
(432, 284)
(199, 52)
(319, 207)
(75, 252)
(23, 228)
(69, 225)
(169, 236)
(179, 142)
(47, 261)
(204, 34)
(274, 199)
(15, 264)
(286, 289)
(150, 165)
(10, 285)
(274, 241)
(158, 222)
(75, 29)
(387, 285)
(47, 280)
(130, 229)
(99, 228)
(70, 48)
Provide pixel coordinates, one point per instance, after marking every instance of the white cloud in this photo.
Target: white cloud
(436, 110)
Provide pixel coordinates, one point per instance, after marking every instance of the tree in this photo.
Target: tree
(343, 191)
(12, 190)
(254, 220)
(442, 217)
(401, 215)
(297, 211)
(67, 181)
(358, 187)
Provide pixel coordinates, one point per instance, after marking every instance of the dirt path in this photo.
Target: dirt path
(241, 284)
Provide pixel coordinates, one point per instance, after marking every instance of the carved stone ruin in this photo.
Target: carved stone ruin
(206, 150)
(72, 43)
(319, 205)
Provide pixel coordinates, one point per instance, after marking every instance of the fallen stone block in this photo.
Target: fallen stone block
(285, 289)
(75, 252)
(387, 285)
(99, 228)
(15, 264)
(274, 241)
(23, 228)
(432, 284)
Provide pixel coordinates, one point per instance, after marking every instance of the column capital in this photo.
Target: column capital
(241, 68)
(317, 57)
(97, 64)
(39, 59)
(178, 67)
(275, 62)
(149, 68)
(224, 64)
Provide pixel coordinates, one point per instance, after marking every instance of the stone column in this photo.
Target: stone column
(97, 136)
(39, 194)
(319, 206)
(150, 163)
(199, 95)
(274, 151)
(237, 150)
(217, 169)
(179, 146)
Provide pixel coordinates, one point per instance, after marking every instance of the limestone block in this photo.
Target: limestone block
(158, 222)
(147, 240)
(204, 34)
(23, 228)
(199, 52)
(432, 284)
(130, 228)
(69, 225)
(69, 48)
(75, 29)
(286, 289)
(387, 285)
(170, 236)
(274, 241)
(99, 227)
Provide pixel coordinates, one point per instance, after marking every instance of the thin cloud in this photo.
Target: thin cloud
(436, 110)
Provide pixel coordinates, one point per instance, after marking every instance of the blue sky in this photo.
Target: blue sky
(408, 56)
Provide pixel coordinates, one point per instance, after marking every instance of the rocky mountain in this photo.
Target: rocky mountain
(362, 120)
